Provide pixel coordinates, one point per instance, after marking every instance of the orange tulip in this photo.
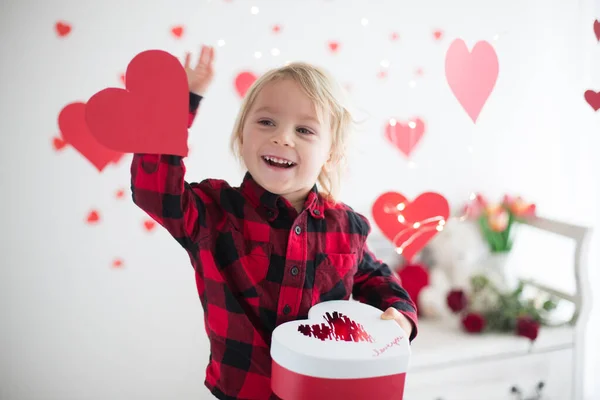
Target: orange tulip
(519, 207)
(498, 219)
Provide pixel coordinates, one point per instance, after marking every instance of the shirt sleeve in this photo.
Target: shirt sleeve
(376, 285)
(159, 188)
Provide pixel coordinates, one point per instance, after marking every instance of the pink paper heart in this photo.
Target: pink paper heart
(471, 75)
(405, 135)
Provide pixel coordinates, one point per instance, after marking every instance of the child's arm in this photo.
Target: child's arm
(158, 183)
(376, 285)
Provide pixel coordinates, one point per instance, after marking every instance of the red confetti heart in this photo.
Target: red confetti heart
(338, 328)
(437, 35)
(93, 217)
(405, 135)
(149, 225)
(243, 82)
(122, 78)
(333, 46)
(276, 28)
(62, 28)
(58, 143)
(120, 193)
(74, 130)
(382, 74)
(593, 99)
(419, 71)
(597, 29)
(177, 31)
(410, 225)
(150, 115)
(394, 36)
(117, 263)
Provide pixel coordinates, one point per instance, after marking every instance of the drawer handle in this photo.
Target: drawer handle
(518, 393)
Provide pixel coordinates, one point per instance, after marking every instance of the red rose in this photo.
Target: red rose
(528, 327)
(473, 322)
(456, 300)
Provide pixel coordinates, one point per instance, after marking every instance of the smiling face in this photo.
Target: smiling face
(285, 142)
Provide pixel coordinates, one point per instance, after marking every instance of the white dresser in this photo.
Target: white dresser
(449, 364)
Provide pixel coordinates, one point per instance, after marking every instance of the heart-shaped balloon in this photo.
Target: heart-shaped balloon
(243, 82)
(405, 135)
(410, 225)
(74, 131)
(344, 350)
(151, 114)
(471, 75)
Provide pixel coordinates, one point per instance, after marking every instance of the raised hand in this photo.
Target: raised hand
(200, 76)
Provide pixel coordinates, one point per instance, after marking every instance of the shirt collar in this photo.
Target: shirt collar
(271, 202)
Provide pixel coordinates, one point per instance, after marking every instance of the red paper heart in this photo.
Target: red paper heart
(120, 193)
(437, 35)
(405, 135)
(276, 28)
(62, 28)
(338, 328)
(410, 225)
(73, 129)
(593, 99)
(117, 263)
(177, 31)
(394, 36)
(93, 217)
(333, 46)
(149, 225)
(58, 143)
(597, 29)
(151, 114)
(122, 79)
(243, 82)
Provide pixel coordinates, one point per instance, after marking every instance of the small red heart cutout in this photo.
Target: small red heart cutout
(62, 28)
(394, 36)
(437, 35)
(593, 99)
(150, 115)
(405, 135)
(382, 74)
(117, 263)
(597, 29)
(122, 79)
(58, 143)
(120, 194)
(410, 225)
(333, 46)
(74, 131)
(177, 31)
(93, 217)
(149, 225)
(243, 82)
(276, 28)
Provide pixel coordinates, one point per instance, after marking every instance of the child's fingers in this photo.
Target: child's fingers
(186, 63)
(211, 54)
(203, 55)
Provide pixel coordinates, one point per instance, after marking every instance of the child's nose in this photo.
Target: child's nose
(284, 137)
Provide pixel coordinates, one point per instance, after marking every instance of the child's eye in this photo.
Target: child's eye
(265, 122)
(305, 131)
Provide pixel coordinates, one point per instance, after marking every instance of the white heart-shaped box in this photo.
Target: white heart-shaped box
(344, 350)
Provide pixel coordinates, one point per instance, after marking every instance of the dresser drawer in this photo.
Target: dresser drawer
(494, 379)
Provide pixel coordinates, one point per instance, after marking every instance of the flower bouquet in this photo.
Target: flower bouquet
(496, 220)
(488, 309)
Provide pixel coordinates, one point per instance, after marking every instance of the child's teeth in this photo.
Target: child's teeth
(279, 160)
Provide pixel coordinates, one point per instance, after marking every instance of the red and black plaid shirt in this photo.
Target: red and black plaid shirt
(260, 263)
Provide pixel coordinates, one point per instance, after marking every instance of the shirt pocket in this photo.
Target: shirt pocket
(334, 277)
(255, 260)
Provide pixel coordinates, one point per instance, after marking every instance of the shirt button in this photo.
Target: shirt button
(287, 309)
(317, 212)
(294, 271)
(270, 213)
(297, 229)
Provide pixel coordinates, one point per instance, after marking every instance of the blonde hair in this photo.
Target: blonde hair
(328, 97)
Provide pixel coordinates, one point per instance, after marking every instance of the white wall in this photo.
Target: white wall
(75, 328)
